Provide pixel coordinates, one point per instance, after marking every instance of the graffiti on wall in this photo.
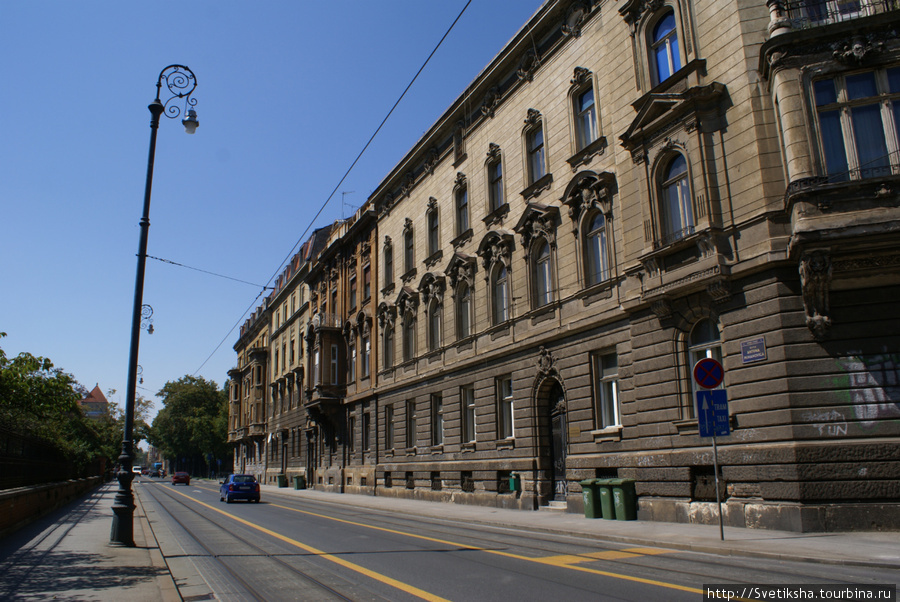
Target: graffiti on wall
(874, 385)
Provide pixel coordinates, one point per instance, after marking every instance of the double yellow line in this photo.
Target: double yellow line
(567, 561)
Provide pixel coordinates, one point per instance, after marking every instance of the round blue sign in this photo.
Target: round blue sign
(708, 373)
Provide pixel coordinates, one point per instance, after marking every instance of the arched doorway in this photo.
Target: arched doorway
(556, 407)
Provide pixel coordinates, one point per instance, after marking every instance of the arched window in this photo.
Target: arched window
(434, 325)
(675, 199)
(704, 341)
(463, 311)
(596, 255)
(500, 294)
(664, 48)
(543, 287)
(409, 337)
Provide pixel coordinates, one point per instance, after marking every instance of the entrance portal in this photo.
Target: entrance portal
(557, 407)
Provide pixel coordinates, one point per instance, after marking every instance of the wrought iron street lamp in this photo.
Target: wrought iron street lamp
(180, 83)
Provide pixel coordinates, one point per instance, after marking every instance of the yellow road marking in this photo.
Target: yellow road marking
(335, 559)
(426, 595)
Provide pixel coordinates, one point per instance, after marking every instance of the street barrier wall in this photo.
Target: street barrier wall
(23, 505)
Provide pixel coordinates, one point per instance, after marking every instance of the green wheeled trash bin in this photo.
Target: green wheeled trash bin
(589, 495)
(624, 499)
(607, 510)
(301, 481)
(515, 482)
(296, 480)
(282, 480)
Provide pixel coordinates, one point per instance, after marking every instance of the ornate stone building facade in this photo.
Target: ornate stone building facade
(630, 186)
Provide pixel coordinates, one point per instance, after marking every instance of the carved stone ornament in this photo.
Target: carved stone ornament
(491, 102)
(432, 204)
(409, 180)
(493, 151)
(537, 222)
(460, 269)
(407, 302)
(852, 52)
(581, 76)
(815, 279)
(533, 118)
(387, 315)
(575, 18)
(662, 308)
(589, 192)
(632, 10)
(386, 203)
(432, 287)
(528, 65)
(719, 291)
(460, 179)
(495, 249)
(431, 161)
(545, 363)
(407, 225)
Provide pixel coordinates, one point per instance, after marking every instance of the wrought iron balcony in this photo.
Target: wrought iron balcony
(804, 14)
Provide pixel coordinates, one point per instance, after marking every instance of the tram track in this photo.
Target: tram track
(234, 573)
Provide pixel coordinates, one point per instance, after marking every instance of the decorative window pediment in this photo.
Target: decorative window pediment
(407, 301)
(461, 268)
(496, 246)
(432, 286)
(537, 221)
(659, 113)
(387, 315)
(589, 190)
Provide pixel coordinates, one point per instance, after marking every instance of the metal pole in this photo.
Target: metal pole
(123, 506)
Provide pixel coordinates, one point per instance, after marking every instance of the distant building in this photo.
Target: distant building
(95, 406)
(627, 188)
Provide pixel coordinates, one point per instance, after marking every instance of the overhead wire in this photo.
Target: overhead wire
(344, 177)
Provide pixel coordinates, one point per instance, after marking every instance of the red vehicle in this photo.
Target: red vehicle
(181, 477)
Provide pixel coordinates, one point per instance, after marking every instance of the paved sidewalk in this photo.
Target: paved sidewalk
(67, 555)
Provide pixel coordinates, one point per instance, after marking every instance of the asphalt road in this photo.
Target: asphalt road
(288, 548)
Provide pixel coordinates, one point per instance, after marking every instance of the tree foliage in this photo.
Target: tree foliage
(39, 404)
(192, 425)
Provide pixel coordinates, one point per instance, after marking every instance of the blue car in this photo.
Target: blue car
(239, 487)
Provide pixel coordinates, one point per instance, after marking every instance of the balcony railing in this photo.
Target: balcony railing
(327, 320)
(804, 14)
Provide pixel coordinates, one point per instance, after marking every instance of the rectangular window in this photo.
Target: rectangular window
(535, 143)
(467, 411)
(316, 374)
(352, 293)
(585, 118)
(351, 435)
(293, 357)
(433, 232)
(366, 426)
(437, 419)
(606, 389)
(367, 283)
(505, 428)
(276, 363)
(858, 124)
(495, 185)
(409, 251)
(351, 369)
(388, 265)
(411, 423)
(334, 364)
(389, 427)
(462, 210)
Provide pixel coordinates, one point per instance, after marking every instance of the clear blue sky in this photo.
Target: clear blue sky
(288, 93)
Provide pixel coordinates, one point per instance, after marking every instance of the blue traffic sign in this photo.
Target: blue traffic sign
(712, 413)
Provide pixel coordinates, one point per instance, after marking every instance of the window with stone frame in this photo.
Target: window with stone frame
(411, 423)
(409, 336)
(584, 109)
(858, 122)
(596, 249)
(461, 204)
(662, 41)
(535, 149)
(388, 254)
(389, 427)
(605, 368)
(499, 294)
(409, 248)
(467, 413)
(434, 228)
(505, 407)
(434, 325)
(463, 310)
(496, 192)
(437, 419)
(675, 199)
(388, 346)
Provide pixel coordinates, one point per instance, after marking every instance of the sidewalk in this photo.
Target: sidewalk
(67, 555)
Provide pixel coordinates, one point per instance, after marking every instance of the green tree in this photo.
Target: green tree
(39, 403)
(192, 425)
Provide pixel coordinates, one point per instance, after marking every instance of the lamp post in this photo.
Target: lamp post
(180, 83)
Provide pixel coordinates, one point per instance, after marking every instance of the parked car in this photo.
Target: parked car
(181, 477)
(154, 473)
(136, 470)
(239, 487)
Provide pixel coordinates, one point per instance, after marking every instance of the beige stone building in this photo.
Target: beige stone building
(630, 186)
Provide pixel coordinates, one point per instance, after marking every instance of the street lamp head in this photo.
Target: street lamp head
(190, 122)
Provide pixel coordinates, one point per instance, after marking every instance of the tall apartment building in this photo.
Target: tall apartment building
(628, 187)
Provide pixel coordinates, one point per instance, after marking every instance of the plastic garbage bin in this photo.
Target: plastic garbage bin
(624, 498)
(607, 510)
(591, 497)
(515, 482)
(282, 480)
